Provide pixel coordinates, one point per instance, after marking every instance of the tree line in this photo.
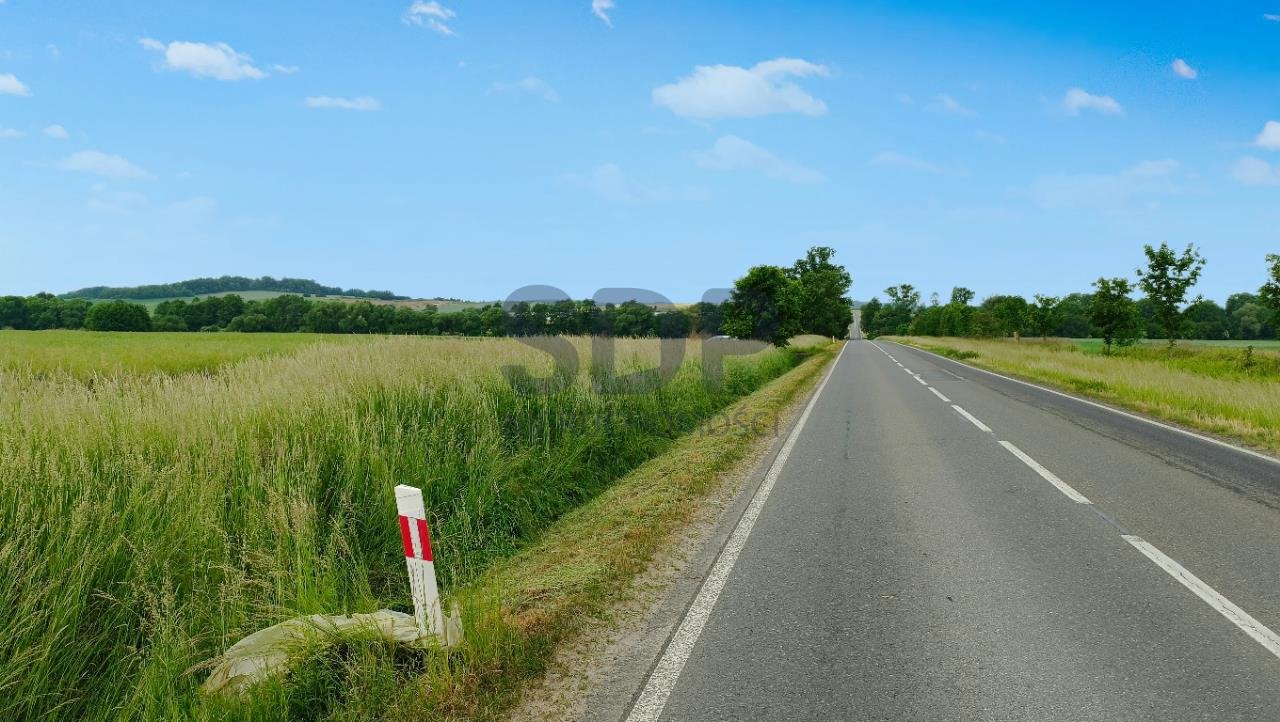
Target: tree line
(770, 303)
(225, 284)
(1108, 312)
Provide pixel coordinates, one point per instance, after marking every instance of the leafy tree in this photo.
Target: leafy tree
(870, 318)
(1114, 313)
(1045, 315)
(1074, 316)
(117, 316)
(1166, 280)
(13, 312)
(763, 306)
(169, 322)
(1008, 313)
(821, 293)
(1207, 320)
(1250, 321)
(1270, 291)
(961, 296)
(896, 315)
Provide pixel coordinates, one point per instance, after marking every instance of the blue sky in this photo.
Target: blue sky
(465, 149)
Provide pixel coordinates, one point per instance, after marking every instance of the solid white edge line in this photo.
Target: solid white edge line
(939, 394)
(662, 680)
(972, 419)
(1049, 476)
(1112, 409)
(1250, 626)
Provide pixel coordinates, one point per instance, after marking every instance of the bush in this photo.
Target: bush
(117, 316)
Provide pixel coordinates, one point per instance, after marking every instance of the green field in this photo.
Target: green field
(1095, 344)
(162, 509)
(84, 354)
(1228, 391)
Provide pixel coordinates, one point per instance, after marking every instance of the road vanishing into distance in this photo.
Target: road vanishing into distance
(937, 542)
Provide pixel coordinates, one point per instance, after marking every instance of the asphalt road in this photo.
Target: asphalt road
(908, 561)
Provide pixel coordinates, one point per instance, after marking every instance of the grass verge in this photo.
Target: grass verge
(1221, 391)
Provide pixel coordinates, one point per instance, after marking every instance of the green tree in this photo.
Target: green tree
(763, 306)
(1207, 320)
(117, 316)
(896, 316)
(1009, 314)
(1166, 280)
(1114, 313)
(1045, 315)
(821, 293)
(871, 318)
(1270, 291)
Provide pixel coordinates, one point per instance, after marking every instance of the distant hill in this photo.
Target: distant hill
(226, 284)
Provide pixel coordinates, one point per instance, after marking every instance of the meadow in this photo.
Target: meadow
(161, 500)
(1225, 390)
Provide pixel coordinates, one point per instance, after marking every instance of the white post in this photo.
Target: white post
(417, 555)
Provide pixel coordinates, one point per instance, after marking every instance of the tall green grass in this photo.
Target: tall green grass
(149, 521)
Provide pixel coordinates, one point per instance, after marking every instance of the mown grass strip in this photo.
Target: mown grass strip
(1190, 386)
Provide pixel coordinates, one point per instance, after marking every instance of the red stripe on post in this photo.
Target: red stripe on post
(425, 537)
(405, 537)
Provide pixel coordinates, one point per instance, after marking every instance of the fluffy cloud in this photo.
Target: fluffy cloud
(204, 60)
(285, 69)
(363, 103)
(10, 133)
(531, 85)
(601, 8)
(1272, 17)
(56, 131)
(1106, 190)
(431, 15)
(944, 103)
(733, 153)
(10, 85)
(1253, 171)
(103, 164)
(890, 159)
(1182, 70)
(1269, 138)
(1077, 99)
(723, 91)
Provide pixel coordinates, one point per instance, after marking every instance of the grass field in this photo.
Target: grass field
(154, 517)
(85, 354)
(1226, 391)
(1095, 344)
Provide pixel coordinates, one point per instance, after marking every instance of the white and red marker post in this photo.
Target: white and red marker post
(417, 556)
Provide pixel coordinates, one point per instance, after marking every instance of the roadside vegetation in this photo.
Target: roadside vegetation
(154, 517)
(1232, 392)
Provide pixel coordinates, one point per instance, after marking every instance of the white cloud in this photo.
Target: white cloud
(733, 153)
(1273, 17)
(204, 60)
(103, 164)
(1077, 99)
(1182, 70)
(10, 133)
(891, 159)
(430, 15)
(54, 50)
(720, 91)
(1269, 138)
(609, 182)
(1255, 172)
(363, 103)
(532, 85)
(285, 69)
(10, 85)
(601, 8)
(56, 131)
(944, 103)
(1106, 190)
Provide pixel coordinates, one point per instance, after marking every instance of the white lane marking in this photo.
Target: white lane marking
(972, 419)
(954, 374)
(922, 381)
(939, 394)
(1252, 627)
(1126, 414)
(904, 368)
(900, 364)
(663, 678)
(1049, 476)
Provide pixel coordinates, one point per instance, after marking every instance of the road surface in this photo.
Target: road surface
(936, 542)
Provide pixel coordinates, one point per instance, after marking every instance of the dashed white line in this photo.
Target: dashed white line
(904, 368)
(922, 381)
(1049, 476)
(663, 678)
(1252, 627)
(973, 420)
(939, 394)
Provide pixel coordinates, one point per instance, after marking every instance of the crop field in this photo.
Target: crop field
(163, 499)
(1095, 344)
(1229, 391)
